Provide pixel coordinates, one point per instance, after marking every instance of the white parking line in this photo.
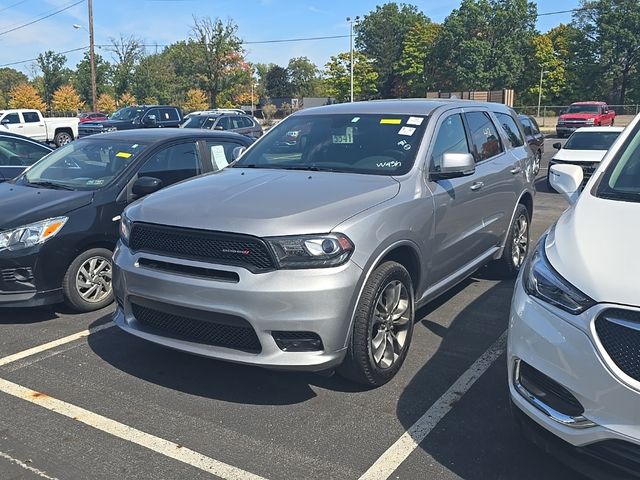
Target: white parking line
(130, 434)
(56, 343)
(20, 463)
(409, 441)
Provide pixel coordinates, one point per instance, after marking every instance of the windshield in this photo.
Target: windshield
(591, 141)
(380, 144)
(199, 121)
(621, 180)
(127, 113)
(583, 109)
(86, 164)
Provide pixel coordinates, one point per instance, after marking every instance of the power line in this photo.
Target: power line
(42, 18)
(579, 9)
(13, 5)
(34, 59)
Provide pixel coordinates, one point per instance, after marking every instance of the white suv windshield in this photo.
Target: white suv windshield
(591, 140)
(621, 180)
(377, 144)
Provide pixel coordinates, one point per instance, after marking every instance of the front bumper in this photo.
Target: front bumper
(320, 301)
(568, 129)
(563, 347)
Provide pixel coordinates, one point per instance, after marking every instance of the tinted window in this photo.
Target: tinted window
(591, 140)
(246, 122)
(221, 153)
(30, 117)
(127, 113)
(14, 151)
(621, 180)
(484, 136)
(528, 126)
(173, 164)
(583, 109)
(451, 138)
(153, 112)
(225, 123)
(534, 126)
(168, 115)
(511, 129)
(11, 118)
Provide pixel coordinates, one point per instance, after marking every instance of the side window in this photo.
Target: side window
(225, 123)
(528, 126)
(19, 152)
(484, 136)
(155, 112)
(168, 115)
(221, 153)
(173, 164)
(11, 118)
(30, 117)
(451, 138)
(511, 129)
(534, 127)
(247, 122)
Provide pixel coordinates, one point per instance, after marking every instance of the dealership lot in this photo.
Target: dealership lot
(108, 404)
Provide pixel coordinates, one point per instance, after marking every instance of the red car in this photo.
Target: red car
(584, 114)
(92, 117)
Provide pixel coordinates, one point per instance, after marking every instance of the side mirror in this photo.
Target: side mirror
(567, 180)
(5, 121)
(150, 121)
(146, 185)
(218, 127)
(237, 152)
(455, 165)
(557, 145)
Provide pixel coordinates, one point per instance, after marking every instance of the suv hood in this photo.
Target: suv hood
(577, 156)
(20, 205)
(119, 124)
(577, 116)
(594, 246)
(265, 202)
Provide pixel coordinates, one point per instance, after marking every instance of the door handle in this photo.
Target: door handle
(515, 170)
(477, 186)
(20, 126)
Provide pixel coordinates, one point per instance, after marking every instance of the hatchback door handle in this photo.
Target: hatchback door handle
(515, 170)
(477, 186)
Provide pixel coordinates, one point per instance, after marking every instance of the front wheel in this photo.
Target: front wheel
(62, 138)
(536, 163)
(87, 283)
(383, 326)
(516, 246)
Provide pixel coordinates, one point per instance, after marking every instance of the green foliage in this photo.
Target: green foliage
(277, 82)
(338, 77)
(127, 53)
(155, 77)
(417, 64)
(9, 78)
(54, 73)
(304, 77)
(82, 77)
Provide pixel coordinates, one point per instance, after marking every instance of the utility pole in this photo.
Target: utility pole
(351, 22)
(92, 56)
(542, 72)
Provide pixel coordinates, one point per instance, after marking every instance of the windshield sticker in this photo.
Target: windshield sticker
(218, 156)
(390, 121)
(417, 121)
(124, 154)
(135, 145)
(404, 144)
(95, 182)
(347, 138)
(406, 131)
(355, 119)
(391, 164)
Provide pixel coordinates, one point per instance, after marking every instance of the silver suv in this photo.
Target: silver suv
(315, 254)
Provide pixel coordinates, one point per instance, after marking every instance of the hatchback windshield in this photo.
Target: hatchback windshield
(621, 180)
(583, 109)
(86, 164)
(127, 113)
(380, 144)
(591, 140)
(199, 121)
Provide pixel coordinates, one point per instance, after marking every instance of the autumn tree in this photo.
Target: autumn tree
(66, 99)
(127, 99)
(106, 103)
(338, 77)
(196, 99)
(25, 96)
(54, 73)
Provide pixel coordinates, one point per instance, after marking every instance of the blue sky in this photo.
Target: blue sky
(165, 21)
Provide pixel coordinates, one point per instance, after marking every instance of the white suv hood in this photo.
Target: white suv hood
(577, 156)
(594, 245)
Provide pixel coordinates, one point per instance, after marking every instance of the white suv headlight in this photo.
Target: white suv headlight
(32, 234)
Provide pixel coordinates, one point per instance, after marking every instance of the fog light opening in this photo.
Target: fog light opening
(293, 341)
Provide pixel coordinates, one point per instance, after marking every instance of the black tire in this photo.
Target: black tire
(72, 295)
(507, 266)
(359, 364)
(62, 138)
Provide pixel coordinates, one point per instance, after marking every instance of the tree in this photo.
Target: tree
(338, 77)
(54, 73)
(196, 100)
(277, 83)
(127, 52)
(261, 70)
(66, 99)
(126, 100)
(155, 76)
(9, 78)
(268, 111)
(82, 77)
(417, 64)
(25, 96)
(303, 76)
(106, 103)
(381, 36)
(545, 59)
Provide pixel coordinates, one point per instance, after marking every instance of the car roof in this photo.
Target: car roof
(409, 106)
(600, 129)
(152, 135)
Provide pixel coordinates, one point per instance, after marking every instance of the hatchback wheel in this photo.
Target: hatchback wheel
(517, 245)
(87, 283)
(382, 328)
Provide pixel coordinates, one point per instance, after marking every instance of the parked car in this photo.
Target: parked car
(17, 152)
(92, 117)
(584, 114)
(585, 148)
(317, 257)
(31, 123)
(128, 118)
(59, 219)
(535, 139)
(233, 121)
(574, 332)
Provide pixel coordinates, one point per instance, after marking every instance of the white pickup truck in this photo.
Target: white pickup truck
(32, 124)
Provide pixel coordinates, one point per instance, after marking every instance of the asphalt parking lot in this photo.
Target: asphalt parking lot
(107, 405)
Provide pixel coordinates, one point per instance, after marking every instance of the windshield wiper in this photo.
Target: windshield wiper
(48, 184)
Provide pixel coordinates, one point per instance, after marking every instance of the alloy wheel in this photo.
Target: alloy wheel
(93, 279)
(520, 240)
(391, 317)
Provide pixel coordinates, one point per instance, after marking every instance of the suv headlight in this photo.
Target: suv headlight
(125, 228)
(109, 129)
(542, 281)
(311, 251)
(32, 234)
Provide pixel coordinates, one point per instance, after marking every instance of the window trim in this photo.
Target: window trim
(504, 133)
(429, 164)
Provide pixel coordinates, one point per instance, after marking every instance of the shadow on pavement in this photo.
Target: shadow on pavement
(28, 315)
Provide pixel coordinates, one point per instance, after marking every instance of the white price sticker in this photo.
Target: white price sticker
(218, 156)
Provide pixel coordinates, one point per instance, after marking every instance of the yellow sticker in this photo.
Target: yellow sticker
(123, 154)
(390, 121)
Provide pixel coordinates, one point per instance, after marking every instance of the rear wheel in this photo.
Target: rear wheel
(382, 328)
(62, 138)
(87, 283)
(517, 245)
